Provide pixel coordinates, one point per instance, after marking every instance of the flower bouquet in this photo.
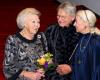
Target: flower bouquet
(45, 61)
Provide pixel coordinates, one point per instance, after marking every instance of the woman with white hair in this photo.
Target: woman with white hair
(86, 55)
(24, 48)
(62, 39)
(86, 60)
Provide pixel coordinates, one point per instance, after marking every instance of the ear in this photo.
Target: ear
(25, 23)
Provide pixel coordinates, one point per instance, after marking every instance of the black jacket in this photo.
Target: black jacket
(61, 43)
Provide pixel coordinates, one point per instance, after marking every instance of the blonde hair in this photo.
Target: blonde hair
(23, 14)
(89, 18)
(68, 7)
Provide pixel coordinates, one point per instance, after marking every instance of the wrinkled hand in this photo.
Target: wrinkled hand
(33, 75)
(39, 74)
(40, 71)
(63, 69)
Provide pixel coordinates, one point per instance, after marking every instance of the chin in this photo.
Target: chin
(33, 32)
(63, 25)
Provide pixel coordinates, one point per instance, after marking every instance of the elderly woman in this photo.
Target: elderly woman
(24, 48)
(62, 39)
(86, 55)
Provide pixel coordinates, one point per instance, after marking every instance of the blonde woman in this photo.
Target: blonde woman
(25, 47)
(86, 55)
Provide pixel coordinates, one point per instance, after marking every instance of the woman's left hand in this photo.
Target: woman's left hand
(63, 69)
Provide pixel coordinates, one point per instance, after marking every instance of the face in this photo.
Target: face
(32, 24)
(79, 24)
(64, 19)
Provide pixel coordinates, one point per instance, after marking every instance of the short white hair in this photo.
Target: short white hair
(68, 7)
(23, 14)
(87, 16)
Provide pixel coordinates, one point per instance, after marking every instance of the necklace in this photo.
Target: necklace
(83, 47)
(80, 46)
(73, 52)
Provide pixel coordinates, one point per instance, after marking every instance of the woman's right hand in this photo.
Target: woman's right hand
(32, 75)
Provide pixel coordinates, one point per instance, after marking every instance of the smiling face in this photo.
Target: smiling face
(32, 24)
(64, 19)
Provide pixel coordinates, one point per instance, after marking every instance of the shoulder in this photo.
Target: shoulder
(72, 27)
(51, 29)
(52, 26)
(41, 35)
(96, 39)
(11, 37)
(10, 41)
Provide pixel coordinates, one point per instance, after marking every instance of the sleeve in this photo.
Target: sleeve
(94, 59)
(11, 70)
(49, 33)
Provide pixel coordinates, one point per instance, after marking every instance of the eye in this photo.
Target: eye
(33, 21)
(62, 17)
(36, 22)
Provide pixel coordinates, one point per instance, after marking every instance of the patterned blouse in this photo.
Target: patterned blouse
(21, 54)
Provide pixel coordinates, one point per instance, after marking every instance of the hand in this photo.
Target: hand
(63, 69)
(39, 74)
(40, 71)
(32, 75)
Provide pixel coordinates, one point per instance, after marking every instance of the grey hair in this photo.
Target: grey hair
(21, 17)
(88, 17)
(68, 7)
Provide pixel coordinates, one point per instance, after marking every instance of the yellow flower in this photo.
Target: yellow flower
(41, 61)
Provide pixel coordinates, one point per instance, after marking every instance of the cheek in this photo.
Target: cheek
(60, 20)
(68, 20)
(39, 25)
(78, 26)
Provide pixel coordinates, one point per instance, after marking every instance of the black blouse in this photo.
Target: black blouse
(61, 43)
